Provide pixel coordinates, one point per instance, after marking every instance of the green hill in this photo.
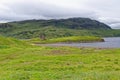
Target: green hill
(71, 23)
(57, 28)
(11, 42)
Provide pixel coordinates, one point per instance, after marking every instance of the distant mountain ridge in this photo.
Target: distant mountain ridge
(56, 28)
(71, 23)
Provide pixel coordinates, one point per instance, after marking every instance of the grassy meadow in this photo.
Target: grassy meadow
(21, 61)
(66, 39)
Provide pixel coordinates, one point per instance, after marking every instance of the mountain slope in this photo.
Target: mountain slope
(56, 28)
(71, 23)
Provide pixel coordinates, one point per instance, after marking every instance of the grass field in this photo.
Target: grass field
(57, 63)
(67, 39)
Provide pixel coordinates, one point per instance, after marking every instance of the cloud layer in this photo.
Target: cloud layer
(106, 11)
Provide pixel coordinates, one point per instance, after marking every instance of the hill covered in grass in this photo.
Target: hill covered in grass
(71, 23)
(11, 42)
(57, 28)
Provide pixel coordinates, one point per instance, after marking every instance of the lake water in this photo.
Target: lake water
(111, 42)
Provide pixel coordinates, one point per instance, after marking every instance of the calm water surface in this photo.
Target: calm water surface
(111, 42)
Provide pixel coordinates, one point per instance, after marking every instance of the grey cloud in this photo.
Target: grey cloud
(15, 10)
(48, 10)
(116, 26)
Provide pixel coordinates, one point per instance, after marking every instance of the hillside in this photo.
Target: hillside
(56, 28)
(11, 42)
(71, 23)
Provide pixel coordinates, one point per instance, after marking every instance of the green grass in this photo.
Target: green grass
(11, 42)
(68, 39)
(59, 63)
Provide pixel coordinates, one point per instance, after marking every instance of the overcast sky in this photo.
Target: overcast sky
(107, 11)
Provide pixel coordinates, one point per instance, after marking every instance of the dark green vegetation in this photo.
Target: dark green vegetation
(21, 61)
(67, 39)
(57, 28)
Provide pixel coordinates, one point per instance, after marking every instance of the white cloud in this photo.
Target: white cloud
(104, 10)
